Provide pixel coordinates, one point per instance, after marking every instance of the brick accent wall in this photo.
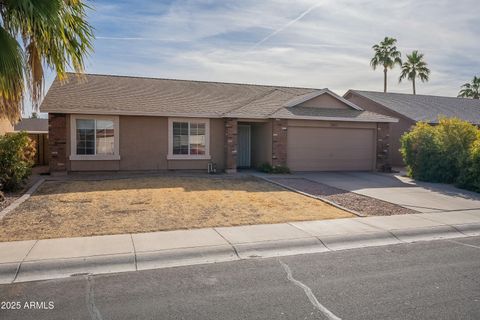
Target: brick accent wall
(383, 147)
(231, 134)
(57, 142)
(279, 142)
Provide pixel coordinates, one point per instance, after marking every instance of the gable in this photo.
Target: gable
(321, 99)
(325, 101)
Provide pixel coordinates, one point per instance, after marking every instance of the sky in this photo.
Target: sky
(305, 43)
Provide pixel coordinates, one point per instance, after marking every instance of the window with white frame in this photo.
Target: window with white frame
(188, 138)
(94, 137)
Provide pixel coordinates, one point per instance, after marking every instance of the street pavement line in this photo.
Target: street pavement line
(92, 308)
(464, 244)
(309, 293)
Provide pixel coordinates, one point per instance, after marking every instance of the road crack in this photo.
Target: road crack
(90, 299)
(313, 300)
(464, 244)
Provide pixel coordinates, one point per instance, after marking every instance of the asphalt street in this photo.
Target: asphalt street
(425, 280)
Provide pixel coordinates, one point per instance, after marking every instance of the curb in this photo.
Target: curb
(34, 270)
(361, 240)
(61, 268)
(336, 205)
(8, 272)
(426, 233)
(22, 199)
(276, 248)
(470, 229)
(183, 257)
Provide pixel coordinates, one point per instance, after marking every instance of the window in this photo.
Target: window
(94, 138)
(188, 139)
(85, 136)
(104, 137)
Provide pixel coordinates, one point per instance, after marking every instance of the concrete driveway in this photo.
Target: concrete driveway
(421, 196)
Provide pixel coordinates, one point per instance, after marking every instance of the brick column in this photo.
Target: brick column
(231, 133)
(279, 142)
(57, 142)
(383, 146)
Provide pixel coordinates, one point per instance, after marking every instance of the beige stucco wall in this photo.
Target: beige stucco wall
(5, 126)
(325, 101)
(144, 146)
(396, 129)
(332, 124)
(261, 143)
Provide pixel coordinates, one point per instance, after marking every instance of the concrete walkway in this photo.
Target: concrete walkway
(420, 196)
(55, 258)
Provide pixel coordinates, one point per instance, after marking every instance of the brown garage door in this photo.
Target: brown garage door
(330, 149)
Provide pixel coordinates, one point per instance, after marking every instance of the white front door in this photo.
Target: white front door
(244, 146)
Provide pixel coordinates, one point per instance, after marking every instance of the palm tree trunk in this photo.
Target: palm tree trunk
(413, 82)
(384, 79)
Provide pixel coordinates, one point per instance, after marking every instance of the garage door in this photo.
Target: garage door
(330, 149)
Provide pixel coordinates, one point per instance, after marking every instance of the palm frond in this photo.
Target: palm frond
(471, 90)
(11, 77)
(55, 33)
(414, 67)
(386, 54)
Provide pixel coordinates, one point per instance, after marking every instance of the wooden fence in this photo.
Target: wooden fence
(41, 145)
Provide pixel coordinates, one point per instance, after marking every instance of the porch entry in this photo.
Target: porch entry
(244, 146)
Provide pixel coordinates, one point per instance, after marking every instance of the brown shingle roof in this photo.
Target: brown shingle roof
(426, 107)
(107, 94)
(331, 114)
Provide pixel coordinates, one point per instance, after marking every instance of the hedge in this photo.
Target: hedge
(448, 152)
(17, 154)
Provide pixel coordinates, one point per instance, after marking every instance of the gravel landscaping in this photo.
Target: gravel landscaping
(353, 201)
(9, 198)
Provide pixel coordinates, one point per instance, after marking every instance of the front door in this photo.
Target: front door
(244, 146)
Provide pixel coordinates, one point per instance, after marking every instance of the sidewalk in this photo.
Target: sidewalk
(55, 258)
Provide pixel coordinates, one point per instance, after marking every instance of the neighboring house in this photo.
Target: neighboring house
(104, 122)
(32, 125)
(37, 129)
(410, 109)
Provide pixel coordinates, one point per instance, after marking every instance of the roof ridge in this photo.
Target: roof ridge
(201, 81)
(407, 94)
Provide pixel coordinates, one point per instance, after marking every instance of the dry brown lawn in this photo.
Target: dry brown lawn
(85, 208)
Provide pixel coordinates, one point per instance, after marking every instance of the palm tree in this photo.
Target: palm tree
(414, 67)
(386, 55)
(53, 33)
(471, 90)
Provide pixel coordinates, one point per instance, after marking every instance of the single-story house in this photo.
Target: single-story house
(409, 109)
(37, 129)
(105, 122)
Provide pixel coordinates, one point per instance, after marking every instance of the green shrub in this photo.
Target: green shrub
(470, 176)
(448, 152)
(421, 152)
(456, 140)
(17, 152)
(268, 168)
(280, 169)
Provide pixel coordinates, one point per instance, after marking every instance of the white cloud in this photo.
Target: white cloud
(309, 43)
